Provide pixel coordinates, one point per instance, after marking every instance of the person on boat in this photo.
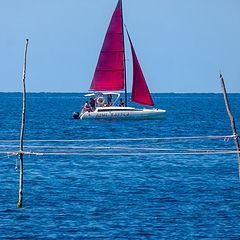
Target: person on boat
(92, 104)
(109, 100)
(121, 103)
(86, 107)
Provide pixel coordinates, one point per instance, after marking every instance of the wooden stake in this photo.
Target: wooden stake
(22, 130)
(232, 121)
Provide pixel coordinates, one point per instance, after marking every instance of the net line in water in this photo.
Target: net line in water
(119, 150)
(119, 154)
(135, 145)
(122, 139)
(6, 156)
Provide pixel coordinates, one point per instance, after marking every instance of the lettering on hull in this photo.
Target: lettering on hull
(112, 114)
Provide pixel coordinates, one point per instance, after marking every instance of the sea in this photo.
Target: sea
(149, 179)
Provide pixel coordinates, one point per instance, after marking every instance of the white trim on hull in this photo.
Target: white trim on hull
(124, 113)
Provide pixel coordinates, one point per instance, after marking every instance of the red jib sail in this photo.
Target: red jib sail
(109, 73)
(140, 92)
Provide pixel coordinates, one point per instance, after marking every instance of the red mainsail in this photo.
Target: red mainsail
(140, 92)
(109, 73)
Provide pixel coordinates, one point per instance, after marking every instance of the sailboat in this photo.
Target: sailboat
(110, 76)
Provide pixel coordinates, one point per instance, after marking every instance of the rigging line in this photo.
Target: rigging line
(190, 140)
(16, 153)
(127, 153)
(9, 153)
(63, 147)
(135, 154)
(135, 149)
(9, 146)
(122, 139)
(6, 156)
(99, 148)
(124, 154)
(183, 141)
(130, 147)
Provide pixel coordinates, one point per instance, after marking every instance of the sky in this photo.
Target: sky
(181, 44)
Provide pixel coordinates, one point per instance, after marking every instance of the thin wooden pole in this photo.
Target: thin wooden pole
(232, 121)
(22, 131)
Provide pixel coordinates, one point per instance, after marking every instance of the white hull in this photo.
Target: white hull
(124, 113)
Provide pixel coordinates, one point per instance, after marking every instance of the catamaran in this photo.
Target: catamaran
(110, 75)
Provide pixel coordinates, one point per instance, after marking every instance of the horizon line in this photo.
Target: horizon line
(116, 91)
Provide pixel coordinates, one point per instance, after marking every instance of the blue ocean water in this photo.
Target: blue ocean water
(120, 196)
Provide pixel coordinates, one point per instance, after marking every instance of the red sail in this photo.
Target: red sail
(140, 92)
(109, 73)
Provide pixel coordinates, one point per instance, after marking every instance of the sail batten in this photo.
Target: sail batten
(109, 73)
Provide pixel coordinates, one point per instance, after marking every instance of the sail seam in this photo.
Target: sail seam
(114, 33)
(111, 51)
(109, 70)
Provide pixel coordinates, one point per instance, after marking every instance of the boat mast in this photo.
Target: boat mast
(124, 59)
